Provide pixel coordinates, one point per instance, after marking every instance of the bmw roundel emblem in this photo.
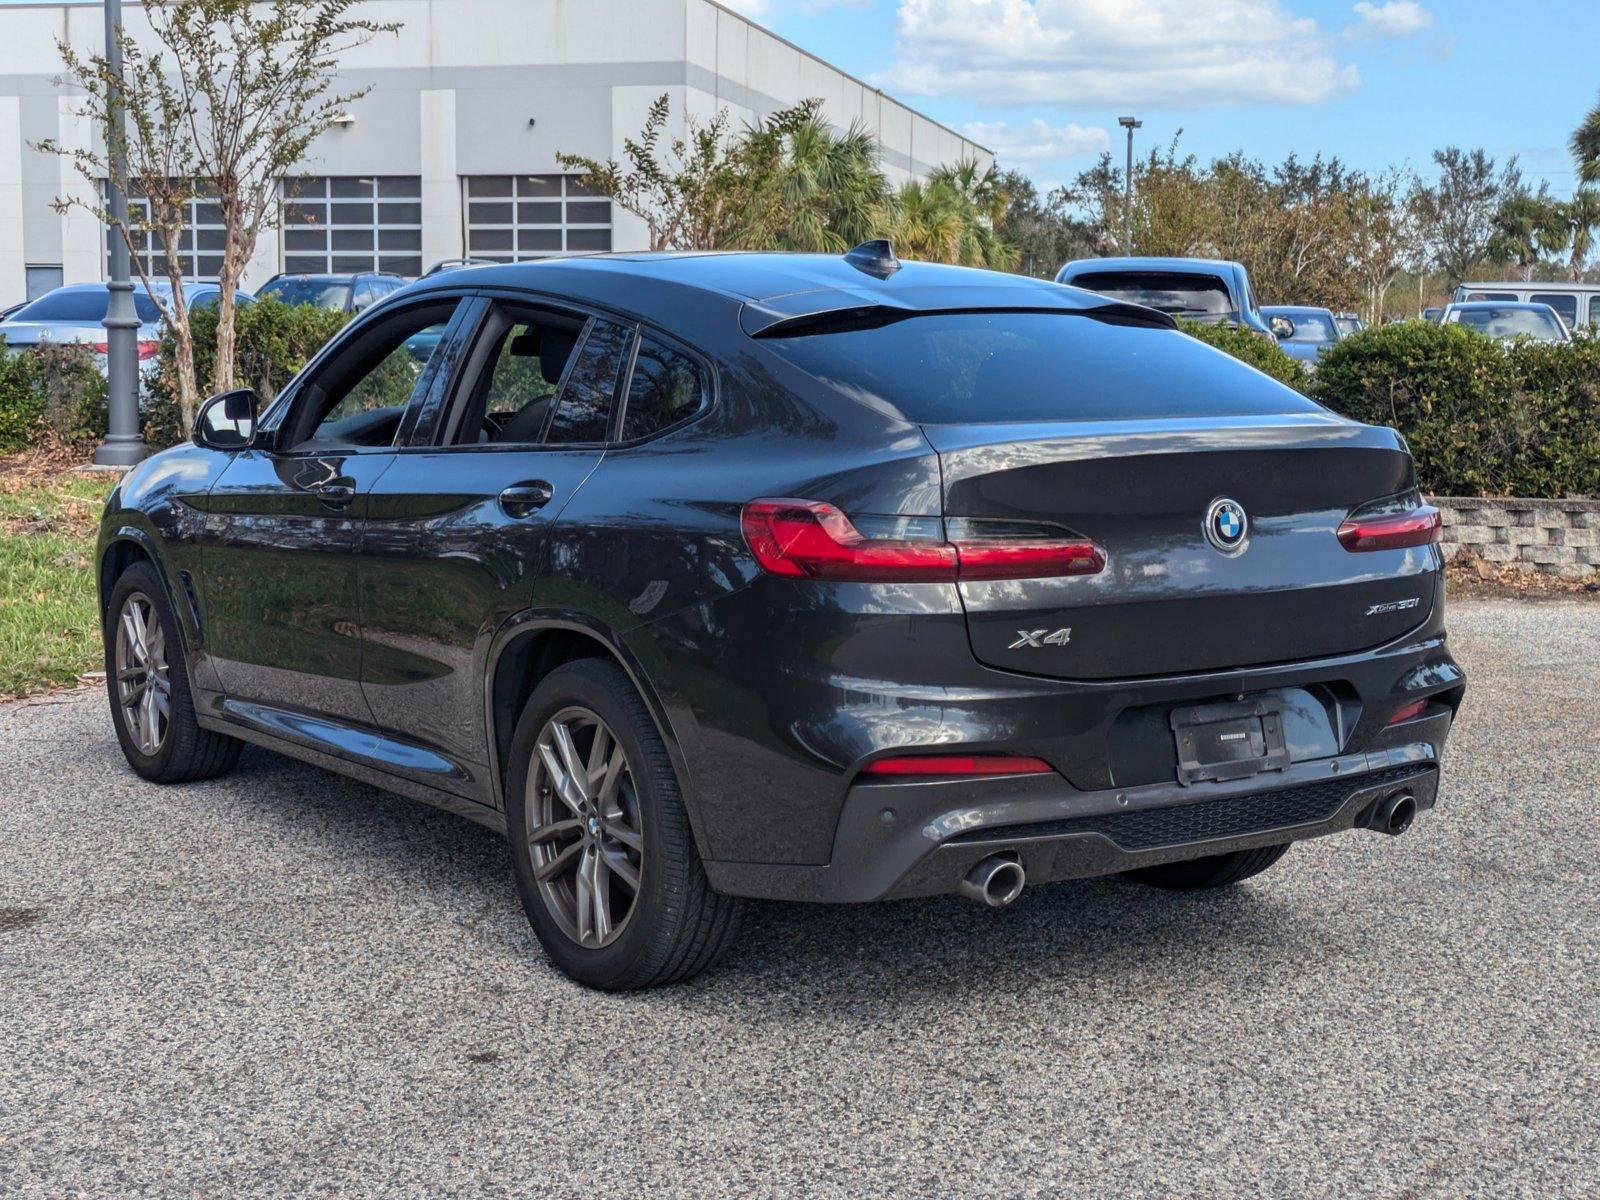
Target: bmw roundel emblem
(1227, 526)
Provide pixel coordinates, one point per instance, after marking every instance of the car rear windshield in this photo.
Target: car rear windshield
(1512, 322)
(322, 293)
(1175, 292)
(83, 306)
(962, 367)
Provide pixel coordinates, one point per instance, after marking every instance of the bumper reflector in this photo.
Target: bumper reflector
(1408, 712)
(959, 764)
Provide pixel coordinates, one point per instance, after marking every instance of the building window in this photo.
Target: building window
(511, 218)
(339, 224)
(43, 279)
(200, 245)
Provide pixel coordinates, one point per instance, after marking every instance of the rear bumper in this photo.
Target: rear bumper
(921, 838)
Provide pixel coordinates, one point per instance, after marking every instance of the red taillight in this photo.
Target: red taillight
(959, 764)
(807, 539)
(147, 349)
(1028, 560)
(803, 539)
(1408, 712)
(1419, 526)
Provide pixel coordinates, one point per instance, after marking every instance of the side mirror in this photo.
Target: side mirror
(1282, 328)
(228, 421)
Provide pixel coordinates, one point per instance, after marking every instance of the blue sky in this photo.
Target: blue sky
(1379, 82)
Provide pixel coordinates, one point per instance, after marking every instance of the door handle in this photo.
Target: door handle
(336, 495)
(525, 499)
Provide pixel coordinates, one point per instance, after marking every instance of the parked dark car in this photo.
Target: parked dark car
(1211, 291)
(1304, 332)
(791, 576)
(342, 293)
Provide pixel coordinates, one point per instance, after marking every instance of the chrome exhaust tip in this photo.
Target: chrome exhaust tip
(1393, 814)
(996, 881)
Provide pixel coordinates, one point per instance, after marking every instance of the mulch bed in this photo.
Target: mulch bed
(1470, 574)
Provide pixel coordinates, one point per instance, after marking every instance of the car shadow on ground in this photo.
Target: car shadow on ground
(833, 955)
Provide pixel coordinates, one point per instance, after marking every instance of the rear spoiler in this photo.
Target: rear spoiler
(804, 313)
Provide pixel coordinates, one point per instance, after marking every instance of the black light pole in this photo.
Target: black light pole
(123, 446)
(1130, 125)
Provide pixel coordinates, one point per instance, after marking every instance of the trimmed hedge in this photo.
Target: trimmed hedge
(1267, 357)
(272, 341)
(54, 388)
(1482, 418)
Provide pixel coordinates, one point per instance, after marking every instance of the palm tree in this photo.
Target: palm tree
(954, 216)
(1524, 226)
(1586, 147)
(928, 222)
(831, 188)
(1581, 216)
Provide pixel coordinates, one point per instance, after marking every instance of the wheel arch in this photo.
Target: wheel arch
(531, 645)
(128, 545)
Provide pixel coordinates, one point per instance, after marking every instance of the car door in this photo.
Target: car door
(456, 530)
(278, 582)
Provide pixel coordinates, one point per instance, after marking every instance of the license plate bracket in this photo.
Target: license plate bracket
(1235, 740)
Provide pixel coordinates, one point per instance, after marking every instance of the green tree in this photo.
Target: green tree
(1458, 210)
(1526, 226)
(1586, 146)
(1579, 221)
(939, 220)
(1382, 235)
(681, 188)
(792, 182)
(225, 102)
(811, 187)
(1044, 230)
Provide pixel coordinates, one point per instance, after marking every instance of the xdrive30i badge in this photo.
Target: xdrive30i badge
(1394, 606)
(1227, 526)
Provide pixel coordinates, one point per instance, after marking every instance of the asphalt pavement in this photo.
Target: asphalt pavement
(285, 983)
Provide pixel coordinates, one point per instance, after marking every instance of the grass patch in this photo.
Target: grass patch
(49, 632)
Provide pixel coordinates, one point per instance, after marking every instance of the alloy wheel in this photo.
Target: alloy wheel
(585, 834)
(143, 688)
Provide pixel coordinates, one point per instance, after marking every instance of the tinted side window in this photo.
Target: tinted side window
(583, 413)
(359, 397)
(366, 293)
(1566, 306)
(666, 387)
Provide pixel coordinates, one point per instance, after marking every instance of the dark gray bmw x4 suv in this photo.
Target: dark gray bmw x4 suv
(705, 577)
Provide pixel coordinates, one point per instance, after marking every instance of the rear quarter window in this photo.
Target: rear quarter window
(667, 386)
(962, 368)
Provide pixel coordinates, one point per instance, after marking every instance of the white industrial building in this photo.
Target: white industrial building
(454, 150)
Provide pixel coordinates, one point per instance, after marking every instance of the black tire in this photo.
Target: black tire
(1201, 874)
(677, 926)
(185, 752)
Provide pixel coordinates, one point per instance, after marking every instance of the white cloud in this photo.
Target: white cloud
(1031, 144)
(1115, 53)
(1396, 19)
(755, 9)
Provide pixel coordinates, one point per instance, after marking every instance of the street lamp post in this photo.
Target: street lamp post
(1130, 124)
(123, 446)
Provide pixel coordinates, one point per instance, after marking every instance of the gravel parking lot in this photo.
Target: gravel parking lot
(285, 983)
